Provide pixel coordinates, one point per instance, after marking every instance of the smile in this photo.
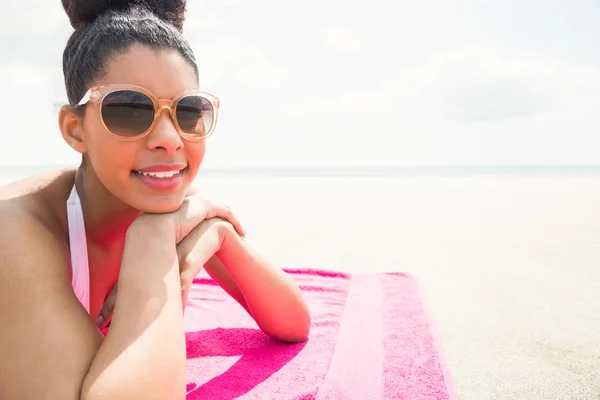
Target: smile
(165, 174)
(161, 180)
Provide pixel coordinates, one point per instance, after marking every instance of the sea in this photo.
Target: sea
(10, 173)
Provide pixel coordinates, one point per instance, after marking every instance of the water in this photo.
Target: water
(416, 171)
(12, 172)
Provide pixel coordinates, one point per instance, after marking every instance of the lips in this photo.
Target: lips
(165, 174)
(168, 180)
(162, 168)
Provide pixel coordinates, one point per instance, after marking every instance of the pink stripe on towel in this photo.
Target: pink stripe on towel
(371, 338)
(414, 367)
(356, 370)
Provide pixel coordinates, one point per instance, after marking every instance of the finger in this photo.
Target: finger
(232, 219)
(225, 212)
(184, 298)
(194, 251)
(185, 246)
(187, 278)
(195, 209)
(191, 213)
(105, 314)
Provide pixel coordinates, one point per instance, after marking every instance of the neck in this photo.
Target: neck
(106, 217)
(106, 222)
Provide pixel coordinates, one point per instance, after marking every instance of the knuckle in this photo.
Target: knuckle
(217, 222)
(209, 222)
(211, 211)
(179, 230)
(186, 264)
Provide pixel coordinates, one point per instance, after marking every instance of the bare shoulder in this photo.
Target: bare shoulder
(32, 186)
(26, 236)
(39, 199)
(33, 240)
(46, 328)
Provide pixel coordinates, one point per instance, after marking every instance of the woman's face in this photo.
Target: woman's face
(117, 163)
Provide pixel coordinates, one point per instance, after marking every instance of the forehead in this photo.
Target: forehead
(164, 72)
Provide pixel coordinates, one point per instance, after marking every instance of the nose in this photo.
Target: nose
(164, 135)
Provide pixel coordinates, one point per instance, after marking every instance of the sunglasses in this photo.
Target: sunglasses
(130, 112)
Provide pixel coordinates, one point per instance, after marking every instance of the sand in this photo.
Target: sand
(509, 266)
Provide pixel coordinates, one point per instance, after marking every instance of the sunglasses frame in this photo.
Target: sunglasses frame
(97, 94)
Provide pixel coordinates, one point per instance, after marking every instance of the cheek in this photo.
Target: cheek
(196, 153)
(110, 158)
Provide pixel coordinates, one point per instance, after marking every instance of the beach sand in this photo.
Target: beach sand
(509, 266)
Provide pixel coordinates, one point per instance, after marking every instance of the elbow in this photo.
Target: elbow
(296, 331)
(291, 337)
(294, 339)
(301, 333)
(302, 329)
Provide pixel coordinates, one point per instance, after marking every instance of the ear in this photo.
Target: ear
(71, 128)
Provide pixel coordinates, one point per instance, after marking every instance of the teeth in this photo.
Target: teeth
(166, 174)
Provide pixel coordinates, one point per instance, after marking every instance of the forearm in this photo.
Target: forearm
(143, 355)
(272, 297)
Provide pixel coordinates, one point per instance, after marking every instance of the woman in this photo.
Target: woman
(127, 214)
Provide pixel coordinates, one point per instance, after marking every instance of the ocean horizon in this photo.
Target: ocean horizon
(10, 172)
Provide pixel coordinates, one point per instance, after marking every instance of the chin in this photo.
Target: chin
(158, 200)
(159, 205)
(158, 209)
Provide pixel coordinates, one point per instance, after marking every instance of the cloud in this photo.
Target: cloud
(20, 78)
(484, 85)
(200, 19)
(199, 24)
(470, 85)
(32, 134)
(47, 20)
(236, 63)
(340, 39)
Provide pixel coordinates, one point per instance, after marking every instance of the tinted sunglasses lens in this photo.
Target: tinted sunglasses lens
(195, 115)
(127, 113)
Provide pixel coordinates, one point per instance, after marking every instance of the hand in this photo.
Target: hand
(194, 251)
(190, 214)
(107, 309)
(195, 212)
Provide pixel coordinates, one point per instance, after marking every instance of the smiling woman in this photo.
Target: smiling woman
(140, 122)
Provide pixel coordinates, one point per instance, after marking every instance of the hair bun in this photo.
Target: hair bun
(81, 12)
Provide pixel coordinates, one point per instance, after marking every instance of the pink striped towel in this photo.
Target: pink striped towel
(371, 338)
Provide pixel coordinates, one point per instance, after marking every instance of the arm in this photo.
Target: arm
(143, 355)
(219, 273)
(47, 340)
(50, 347)
(270, 295)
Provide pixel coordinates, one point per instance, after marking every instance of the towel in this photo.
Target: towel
(371, 338)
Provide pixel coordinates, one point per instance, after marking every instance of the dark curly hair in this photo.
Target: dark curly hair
(104, 28)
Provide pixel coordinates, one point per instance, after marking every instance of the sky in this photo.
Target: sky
(349, 83)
